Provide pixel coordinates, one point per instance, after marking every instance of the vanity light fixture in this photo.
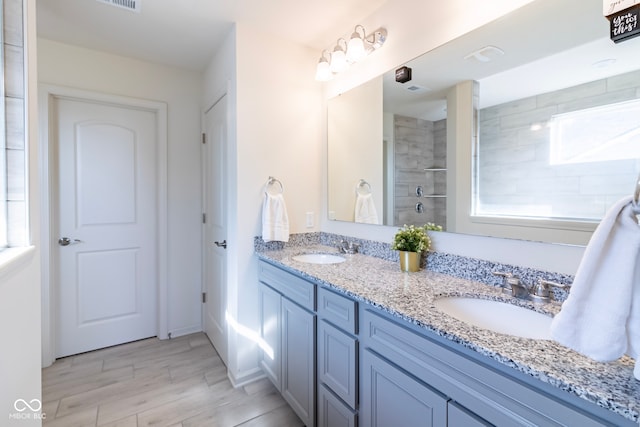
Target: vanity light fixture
(344, 54)
(323, 72)
(355, 48)
(339, 58)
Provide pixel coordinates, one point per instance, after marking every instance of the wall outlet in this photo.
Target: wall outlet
(309, 219)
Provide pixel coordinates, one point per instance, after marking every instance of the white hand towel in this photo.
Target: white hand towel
(275, 221)
(365, 211)
(601, 316)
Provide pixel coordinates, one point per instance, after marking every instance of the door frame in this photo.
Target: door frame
(48, 228)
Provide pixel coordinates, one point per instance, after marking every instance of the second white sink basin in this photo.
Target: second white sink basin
(497, 316)
(319, 258)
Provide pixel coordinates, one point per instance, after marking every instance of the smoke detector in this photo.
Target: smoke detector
(130, 5)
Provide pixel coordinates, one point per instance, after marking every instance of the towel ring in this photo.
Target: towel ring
(363, 188)
(272, 181)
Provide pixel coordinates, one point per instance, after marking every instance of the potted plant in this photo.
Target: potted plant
(411, 241)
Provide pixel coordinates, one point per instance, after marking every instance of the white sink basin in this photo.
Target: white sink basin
(497, 316)
(319, 258)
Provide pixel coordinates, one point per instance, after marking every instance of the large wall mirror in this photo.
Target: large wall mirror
(526, 127)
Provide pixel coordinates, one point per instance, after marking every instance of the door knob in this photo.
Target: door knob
(222, 244)
(65, 241)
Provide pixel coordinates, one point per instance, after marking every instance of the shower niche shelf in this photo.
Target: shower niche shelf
(431, 176)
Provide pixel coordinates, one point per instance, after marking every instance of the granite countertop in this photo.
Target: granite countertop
(411, 297)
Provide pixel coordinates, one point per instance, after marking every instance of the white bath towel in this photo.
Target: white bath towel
(365, 210)
(601, 316)
(275, 221)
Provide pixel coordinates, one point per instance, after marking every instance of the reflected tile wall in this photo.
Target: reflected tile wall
(419, 145)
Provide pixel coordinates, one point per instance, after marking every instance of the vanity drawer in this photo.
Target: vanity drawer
(338, 310)
(289, 285)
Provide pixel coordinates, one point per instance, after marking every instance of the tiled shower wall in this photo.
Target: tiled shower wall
(514, 160)
(419, 145)
(14, 102)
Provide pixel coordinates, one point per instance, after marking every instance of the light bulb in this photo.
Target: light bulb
(355, 49)
(338, 59)
(323, 73)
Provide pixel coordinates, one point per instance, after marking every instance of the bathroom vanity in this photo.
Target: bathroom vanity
(359, 343)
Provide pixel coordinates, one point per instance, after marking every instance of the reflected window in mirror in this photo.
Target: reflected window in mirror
(564, 155)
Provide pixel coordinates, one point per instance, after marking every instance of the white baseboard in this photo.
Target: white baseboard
(246, 378)
(183, 331)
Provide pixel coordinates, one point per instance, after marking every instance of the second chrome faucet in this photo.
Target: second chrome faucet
(348, 247)
(540, 292)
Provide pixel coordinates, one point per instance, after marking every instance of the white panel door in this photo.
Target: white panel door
(106, 220)
(215, 227)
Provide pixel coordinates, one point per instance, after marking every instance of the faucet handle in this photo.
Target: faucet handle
(348, 247)
(509, 280)
(542, 292)
(506, 275)
(548, 283)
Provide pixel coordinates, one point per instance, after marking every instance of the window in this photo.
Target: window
(599, 134)
(13, 200)
(562, 155)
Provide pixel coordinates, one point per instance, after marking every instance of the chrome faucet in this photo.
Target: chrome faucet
(540, 292)
(518, 289)
(512, 285)
(348, 247)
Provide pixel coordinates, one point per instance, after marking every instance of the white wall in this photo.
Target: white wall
(275, 109)
(66, 65)
(355, 133)
(414, 27)
(20, 282)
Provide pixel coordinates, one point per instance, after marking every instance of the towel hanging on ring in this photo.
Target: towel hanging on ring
(275, 220)
(365, 209)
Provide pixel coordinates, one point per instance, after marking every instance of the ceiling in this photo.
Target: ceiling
(186, 33)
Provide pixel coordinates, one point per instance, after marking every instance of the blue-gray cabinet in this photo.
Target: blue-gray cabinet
(288, 331)
(376, 369)
(337, 360)
(458, 416)
(298, 360)
(332, 412)
(270, 332)
(474, 387)
(392, 397)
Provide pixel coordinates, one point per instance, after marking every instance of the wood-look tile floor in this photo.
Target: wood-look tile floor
(178, 382)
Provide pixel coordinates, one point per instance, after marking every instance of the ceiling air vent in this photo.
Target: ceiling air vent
(417, 88)
(131, 5)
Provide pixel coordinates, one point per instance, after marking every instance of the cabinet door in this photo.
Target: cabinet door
(391, 397)
(332, 412)
(270, 359)
(298, 357)
(458, 416)
(337, 362)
